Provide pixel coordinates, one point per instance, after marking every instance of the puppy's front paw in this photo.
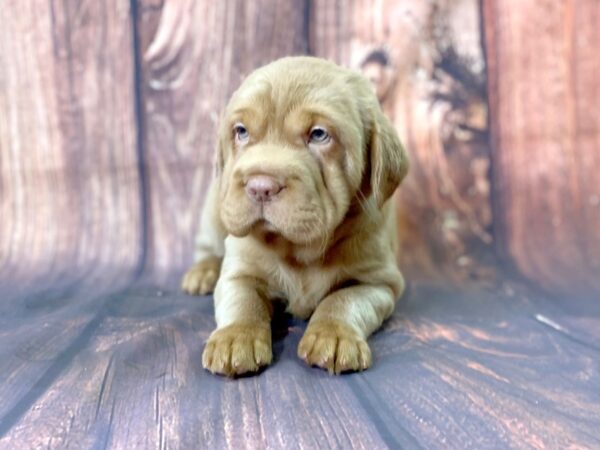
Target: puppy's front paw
(238, 349)
(202, 277)
(334, 346)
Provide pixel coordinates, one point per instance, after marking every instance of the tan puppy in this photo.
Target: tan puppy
(297, 212)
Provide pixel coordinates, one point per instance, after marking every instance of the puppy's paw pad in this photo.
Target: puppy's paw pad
(334, 346)
(202, 277)
(238, 349)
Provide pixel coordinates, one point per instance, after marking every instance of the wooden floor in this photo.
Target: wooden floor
(117, 365)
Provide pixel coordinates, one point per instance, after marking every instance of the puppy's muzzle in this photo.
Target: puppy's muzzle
(262, 188)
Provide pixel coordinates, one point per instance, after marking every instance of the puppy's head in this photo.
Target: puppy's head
(302, 140)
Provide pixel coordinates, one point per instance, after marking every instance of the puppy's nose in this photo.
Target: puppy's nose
(262, 188)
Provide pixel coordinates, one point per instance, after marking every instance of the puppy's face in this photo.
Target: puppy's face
(301, 139)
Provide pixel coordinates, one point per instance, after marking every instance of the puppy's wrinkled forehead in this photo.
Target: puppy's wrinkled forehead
(286, 85)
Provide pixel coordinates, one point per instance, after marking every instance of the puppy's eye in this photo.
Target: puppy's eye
(241, 133)
(318, 135)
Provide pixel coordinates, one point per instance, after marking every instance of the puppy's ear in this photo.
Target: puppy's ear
(222, 149)
(387, 158)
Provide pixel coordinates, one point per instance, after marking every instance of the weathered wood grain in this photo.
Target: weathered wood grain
(195, 55)
(69, 179)
(452, 369)
(89, 361)
(42, 328)
(426, 61)
(491, 356)
(545, 118)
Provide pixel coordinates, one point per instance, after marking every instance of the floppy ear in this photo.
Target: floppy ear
(221, 150)
(387, 158)
(219, 160)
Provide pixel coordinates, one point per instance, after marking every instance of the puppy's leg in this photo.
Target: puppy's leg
(202, 277)
(336, 336)
(242, 341)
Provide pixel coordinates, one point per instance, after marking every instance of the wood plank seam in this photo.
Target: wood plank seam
(141, 138)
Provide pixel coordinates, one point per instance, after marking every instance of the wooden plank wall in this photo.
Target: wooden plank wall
(445, 207)
(426, 61)
(544, 63)
(87, 184)
(195, 55)
(69, 178)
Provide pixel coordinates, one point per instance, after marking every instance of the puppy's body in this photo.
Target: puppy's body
(360, 256)
(298, 212)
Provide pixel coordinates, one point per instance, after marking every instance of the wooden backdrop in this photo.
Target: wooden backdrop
(108, 111)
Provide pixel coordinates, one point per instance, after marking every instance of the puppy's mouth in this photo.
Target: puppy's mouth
(274, 222)
(263, 225)
(293, 217)
(264, 222)
(253, 218)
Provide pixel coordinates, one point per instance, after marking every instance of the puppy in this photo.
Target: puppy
(298, 211)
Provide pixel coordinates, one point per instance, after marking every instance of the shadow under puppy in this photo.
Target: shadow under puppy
(298, 210)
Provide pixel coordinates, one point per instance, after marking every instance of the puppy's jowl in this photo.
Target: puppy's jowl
(299, 210)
